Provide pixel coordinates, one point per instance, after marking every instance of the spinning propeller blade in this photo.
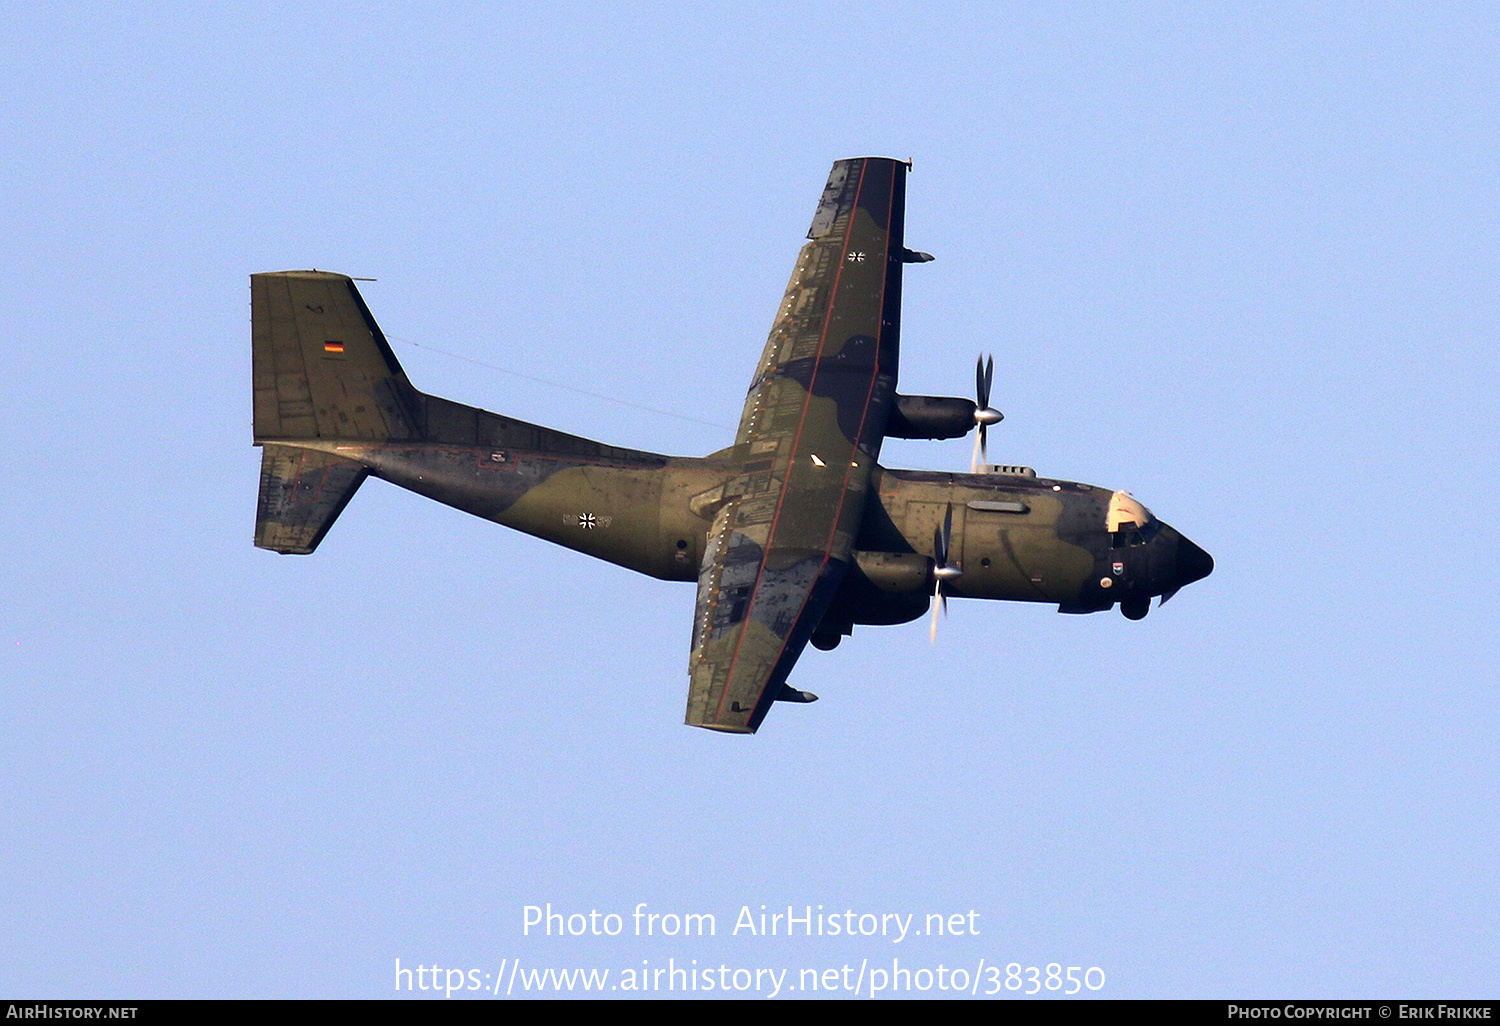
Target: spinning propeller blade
(984, 415)
(942, 571)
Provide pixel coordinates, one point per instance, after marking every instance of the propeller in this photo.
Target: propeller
(984, 415)
(942, 571)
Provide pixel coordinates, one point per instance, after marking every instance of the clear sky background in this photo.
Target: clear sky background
(1239, 259)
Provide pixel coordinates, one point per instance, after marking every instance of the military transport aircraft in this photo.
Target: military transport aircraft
(794, 533)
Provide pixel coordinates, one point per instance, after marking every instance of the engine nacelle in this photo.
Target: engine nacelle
(896, 572)
(930, 416)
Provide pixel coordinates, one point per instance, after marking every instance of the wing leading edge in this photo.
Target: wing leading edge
(808, 440)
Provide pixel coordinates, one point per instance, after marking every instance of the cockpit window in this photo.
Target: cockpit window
(1125, 510)
(1129, 535)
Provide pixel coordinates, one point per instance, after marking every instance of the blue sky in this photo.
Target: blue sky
(1239, 262)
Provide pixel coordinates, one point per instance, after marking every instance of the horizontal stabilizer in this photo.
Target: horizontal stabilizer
(302, 492)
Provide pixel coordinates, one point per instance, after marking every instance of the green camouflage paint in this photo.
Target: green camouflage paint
(794, 533)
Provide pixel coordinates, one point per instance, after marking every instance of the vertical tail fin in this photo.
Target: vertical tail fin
(322, 371)
(322, 368)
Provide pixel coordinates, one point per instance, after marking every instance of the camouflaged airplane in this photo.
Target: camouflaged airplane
(794, 533)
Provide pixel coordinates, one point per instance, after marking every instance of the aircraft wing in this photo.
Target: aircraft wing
(808, 439)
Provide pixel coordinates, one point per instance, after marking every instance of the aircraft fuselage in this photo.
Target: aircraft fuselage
(1015, 537)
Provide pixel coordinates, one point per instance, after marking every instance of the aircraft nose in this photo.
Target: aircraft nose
(1193, 564)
